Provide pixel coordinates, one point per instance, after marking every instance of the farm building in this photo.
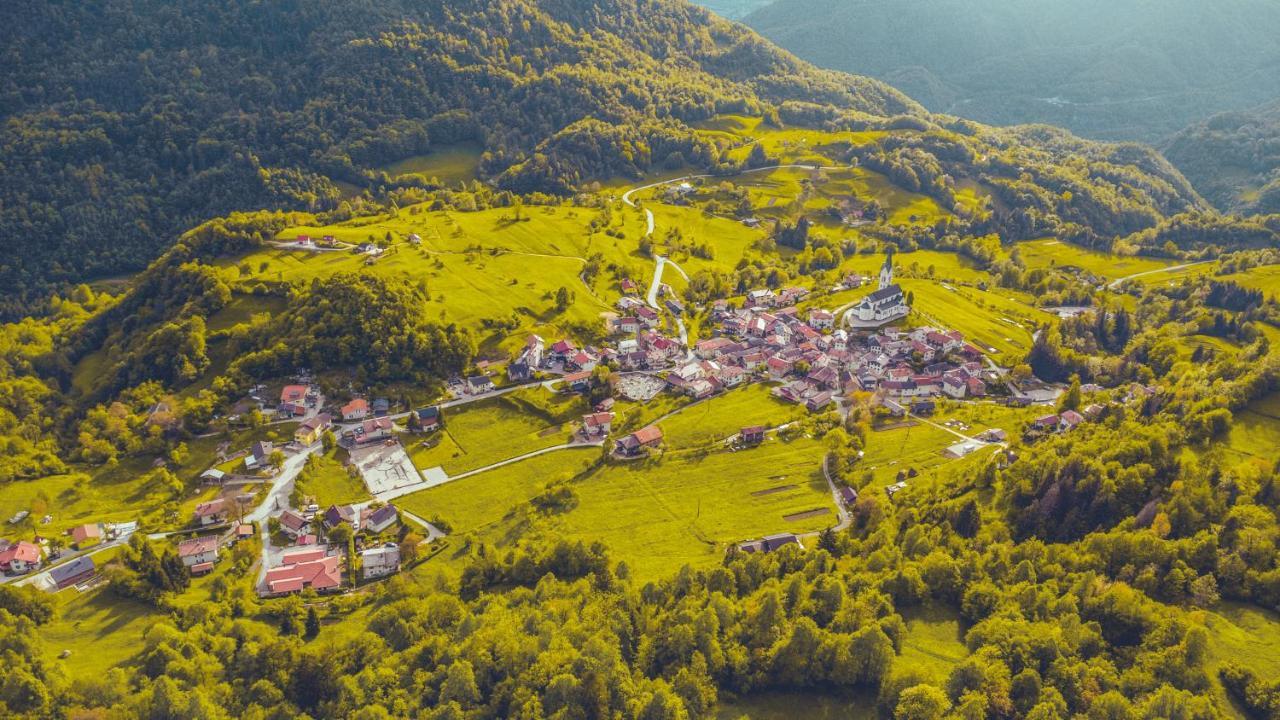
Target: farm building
(649, 437)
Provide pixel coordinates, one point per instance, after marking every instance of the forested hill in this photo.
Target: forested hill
(126, 122)
(1233, 159)
(1106, 69)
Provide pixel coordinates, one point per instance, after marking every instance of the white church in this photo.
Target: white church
(884, 305)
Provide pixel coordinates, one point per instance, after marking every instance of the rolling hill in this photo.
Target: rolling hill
(1233, 159)
(124, 123)
(1106, 69)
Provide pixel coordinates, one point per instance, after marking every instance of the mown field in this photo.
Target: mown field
(482, 433)
(450, 164)
(711, 422)
(1049, 253)
(1265, 279)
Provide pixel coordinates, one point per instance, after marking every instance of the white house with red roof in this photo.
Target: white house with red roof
(20, 557)
(199, 553)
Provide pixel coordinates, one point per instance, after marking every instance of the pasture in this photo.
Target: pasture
(450, 164)
(1050, 253)
(713, 421)
(489, 431)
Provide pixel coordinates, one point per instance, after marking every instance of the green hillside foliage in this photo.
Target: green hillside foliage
(1233, 159)
(125, 123)
(1106, 69)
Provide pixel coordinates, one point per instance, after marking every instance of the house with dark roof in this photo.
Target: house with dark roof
(379, 519)
(752, 434)
(72, 573)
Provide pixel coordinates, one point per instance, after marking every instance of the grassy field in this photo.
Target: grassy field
(475, 266)
(1245, 634)
(1053, 253)
(489, 431)
(721, 417)
(991, 321)
(475, 506)
(654, 515)
(1255, 431)
(328, 482)
(101, 631)
(450, 164)
(1265, 278)
(934, 643)
(687, 509)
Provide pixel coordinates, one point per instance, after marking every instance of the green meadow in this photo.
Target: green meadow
(450, 164)
(482, 433)
(711, 422)
(1049, 253)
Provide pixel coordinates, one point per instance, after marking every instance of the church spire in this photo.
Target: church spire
(886, 271)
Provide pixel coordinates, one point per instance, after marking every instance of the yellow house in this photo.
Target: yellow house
(311, 430)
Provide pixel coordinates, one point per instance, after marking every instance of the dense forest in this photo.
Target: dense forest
(124, 123)
(1106, 69)
(1233, 159)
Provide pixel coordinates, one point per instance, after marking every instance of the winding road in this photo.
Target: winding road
(1114, 284)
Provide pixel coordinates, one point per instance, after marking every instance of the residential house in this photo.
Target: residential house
(819, 401)
(821, 319)
(357, 409)
(338, 514)
(752, 434)
(848, 496)
(562, 350)
(596, 425)
(379, 519)
(1046, 423)
(645, 438)
(84, 536)
(259, 457)
(376, 430)
(577, 382)
(294, 524)
(213, 512)
(314, 569)
(199, 553)
(1070, 419)
(629, 325)
(295, 395)
(20, 557)
(771, 543)
(478, 384)
(379, 561)
(429, 418)
(381, 407)
(309, 432)
(72, 573)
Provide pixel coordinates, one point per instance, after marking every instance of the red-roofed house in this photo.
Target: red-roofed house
(298, 571)
(596, 425)
(632, 444)
(199, 553)
(212, 512)
(357, 409)
(21, 557)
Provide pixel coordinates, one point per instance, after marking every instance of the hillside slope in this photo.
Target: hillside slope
(128, 121)
(1107, 69)
(1233, 159)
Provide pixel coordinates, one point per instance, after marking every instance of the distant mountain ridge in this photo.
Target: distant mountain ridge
(1106, 69)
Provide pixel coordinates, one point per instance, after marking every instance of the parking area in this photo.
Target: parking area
(385, 468)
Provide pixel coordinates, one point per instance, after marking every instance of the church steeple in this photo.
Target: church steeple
(886, 271)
